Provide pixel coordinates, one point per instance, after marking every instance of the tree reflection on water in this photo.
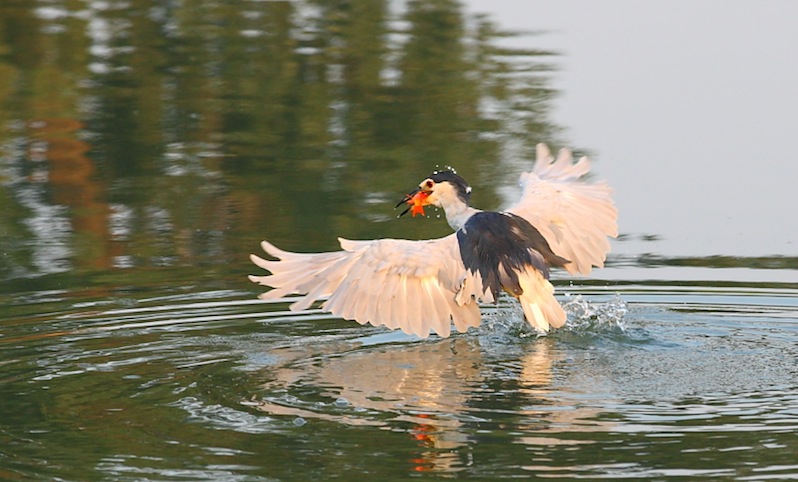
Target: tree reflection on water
(142, 134)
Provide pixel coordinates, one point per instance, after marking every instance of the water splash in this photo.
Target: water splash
(591, 315)
(583, 315)
(505, 319)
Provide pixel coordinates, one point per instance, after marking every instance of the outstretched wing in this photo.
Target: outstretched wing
(575, 217)
(416, 286)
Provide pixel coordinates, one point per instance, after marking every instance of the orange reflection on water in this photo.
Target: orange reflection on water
(73, 179)
(439, 392)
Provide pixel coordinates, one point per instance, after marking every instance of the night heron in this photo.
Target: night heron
(421, 286)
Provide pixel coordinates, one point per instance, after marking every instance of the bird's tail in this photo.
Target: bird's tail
(541, 308)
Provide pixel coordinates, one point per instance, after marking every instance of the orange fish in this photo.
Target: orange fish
(417, 200)
(417, 203)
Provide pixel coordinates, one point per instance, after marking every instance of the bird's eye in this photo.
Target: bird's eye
(428, 184)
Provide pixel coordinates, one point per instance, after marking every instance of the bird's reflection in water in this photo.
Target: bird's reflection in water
(439, 392)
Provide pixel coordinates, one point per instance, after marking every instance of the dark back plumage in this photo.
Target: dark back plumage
(498, 245)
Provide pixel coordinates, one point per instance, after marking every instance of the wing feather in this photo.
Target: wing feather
(442, 316)
(386, 301)
(399, 298)
(426, 308)
(575, 217)
(398, 283)
(467, 316)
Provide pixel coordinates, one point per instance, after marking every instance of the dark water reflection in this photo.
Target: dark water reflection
(146, 147)
(143, 134)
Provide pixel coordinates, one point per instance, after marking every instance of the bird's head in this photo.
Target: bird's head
(441, 188)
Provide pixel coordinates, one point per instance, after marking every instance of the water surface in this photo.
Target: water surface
(645, 380)
(147, 147)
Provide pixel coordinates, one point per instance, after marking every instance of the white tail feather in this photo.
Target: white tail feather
(540, 306)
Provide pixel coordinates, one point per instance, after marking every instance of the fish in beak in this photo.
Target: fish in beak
(416, 200)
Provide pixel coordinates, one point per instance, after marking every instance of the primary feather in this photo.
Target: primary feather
(398, 283)
(575, 217)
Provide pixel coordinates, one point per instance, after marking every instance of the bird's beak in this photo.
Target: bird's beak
(417, 200)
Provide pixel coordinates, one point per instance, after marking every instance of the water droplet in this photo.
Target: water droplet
(341, 402)
(299, 421)
(591, 315)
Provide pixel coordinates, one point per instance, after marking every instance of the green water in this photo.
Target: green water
(147, 147)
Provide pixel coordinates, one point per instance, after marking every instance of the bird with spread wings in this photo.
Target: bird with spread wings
(426, 286)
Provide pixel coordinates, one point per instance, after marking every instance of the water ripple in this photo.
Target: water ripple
(635, 378)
